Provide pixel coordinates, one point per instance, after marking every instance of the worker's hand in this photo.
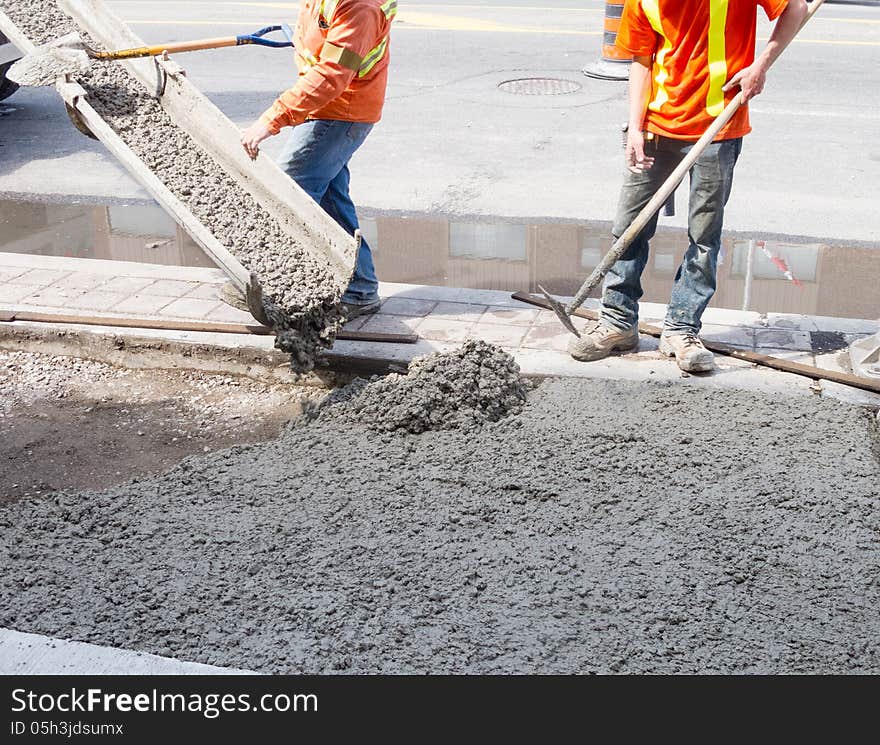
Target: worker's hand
(750, 80)
(636, 160)
(253, 136)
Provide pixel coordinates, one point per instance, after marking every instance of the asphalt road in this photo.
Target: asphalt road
(451, 142)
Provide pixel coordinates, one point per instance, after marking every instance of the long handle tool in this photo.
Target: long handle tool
(650, 209)
(258, 37)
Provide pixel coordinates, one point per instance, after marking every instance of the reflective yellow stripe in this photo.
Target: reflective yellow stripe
(307, 56)
(717, 57)
(328, 7)
(652, 10)
(373, 57)
(389, 8)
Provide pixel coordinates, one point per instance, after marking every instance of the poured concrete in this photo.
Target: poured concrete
(460, 389)
(611, 527)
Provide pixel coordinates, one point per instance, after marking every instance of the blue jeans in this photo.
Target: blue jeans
(711, 178)
(316, 156)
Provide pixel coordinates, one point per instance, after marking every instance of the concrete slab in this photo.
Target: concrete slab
(191, 308)
(7, 274)
(403, 306)
(40, 277)
(33, 654)
(172, 287)
(387, 324)
(10, 293)
(467, 312)
(205, 291)
(506, 337)
(791, 321)
(141, 305)
(440, 329)
(779, 338)
(96, 302)
(510, 316)
(126, 285)
(81, 281)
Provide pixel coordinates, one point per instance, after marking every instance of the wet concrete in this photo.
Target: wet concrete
(610, 527)
(826, 278)
(48, 63)
(461, 389)
(301, 294)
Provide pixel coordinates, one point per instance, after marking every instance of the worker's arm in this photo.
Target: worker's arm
(751, 79)
(639, 92)
(354, 30)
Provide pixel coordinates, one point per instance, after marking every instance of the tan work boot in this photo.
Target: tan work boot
(688, 351)
(601, 341)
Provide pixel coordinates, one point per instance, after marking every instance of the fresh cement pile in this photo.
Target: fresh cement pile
(463, 389)
(302, 295)
(610, 527)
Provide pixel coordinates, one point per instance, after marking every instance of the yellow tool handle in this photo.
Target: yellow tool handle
(180, 46)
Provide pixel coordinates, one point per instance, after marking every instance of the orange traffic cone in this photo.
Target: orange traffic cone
(614, 63)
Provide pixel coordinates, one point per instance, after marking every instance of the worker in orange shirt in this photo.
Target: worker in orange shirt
(342, 55)
(690, 57)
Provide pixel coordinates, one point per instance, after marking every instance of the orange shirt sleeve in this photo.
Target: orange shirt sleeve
(773, 8)
(636, 36)
(355, 26)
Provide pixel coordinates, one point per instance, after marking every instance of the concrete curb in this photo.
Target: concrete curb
(33, 654)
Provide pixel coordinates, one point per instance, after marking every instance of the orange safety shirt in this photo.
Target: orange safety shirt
(342, 56)
(697, 45)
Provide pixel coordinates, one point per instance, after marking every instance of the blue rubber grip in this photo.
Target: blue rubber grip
(258, 37)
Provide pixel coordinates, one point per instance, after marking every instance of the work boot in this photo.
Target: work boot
(353, 310)
(231, 295)
(688, 351)
(601, 341)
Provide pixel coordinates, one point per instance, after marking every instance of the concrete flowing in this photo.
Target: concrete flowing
(610, 527)
(300, 291)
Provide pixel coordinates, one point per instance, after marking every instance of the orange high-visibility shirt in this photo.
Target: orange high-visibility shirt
(342, 56)
(698, 45)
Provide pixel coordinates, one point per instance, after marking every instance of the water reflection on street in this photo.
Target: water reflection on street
(760, 273)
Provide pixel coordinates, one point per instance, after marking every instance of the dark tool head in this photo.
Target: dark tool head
(560, 311)
(254, 296)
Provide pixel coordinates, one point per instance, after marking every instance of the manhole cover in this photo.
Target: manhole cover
(540, 86)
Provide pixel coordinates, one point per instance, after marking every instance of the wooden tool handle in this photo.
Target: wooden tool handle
(171, 48)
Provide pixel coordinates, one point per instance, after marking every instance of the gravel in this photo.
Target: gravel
(301, 293)
(609, 527)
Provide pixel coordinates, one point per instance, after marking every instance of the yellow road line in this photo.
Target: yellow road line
(453, 24)
(463, 6)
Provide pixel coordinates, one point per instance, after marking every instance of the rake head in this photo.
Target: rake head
(560, 311)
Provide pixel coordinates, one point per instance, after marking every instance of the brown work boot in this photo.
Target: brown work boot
(688, 351)
(601, 341)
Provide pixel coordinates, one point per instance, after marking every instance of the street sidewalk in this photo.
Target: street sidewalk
(442, 317)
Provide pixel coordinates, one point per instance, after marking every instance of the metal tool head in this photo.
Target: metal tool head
(560, 311)
(50, 62)
(254, 296)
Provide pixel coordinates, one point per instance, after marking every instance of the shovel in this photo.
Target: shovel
(651, 208)
(70, 55)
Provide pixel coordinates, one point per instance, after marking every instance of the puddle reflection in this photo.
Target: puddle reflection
(762, 275)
